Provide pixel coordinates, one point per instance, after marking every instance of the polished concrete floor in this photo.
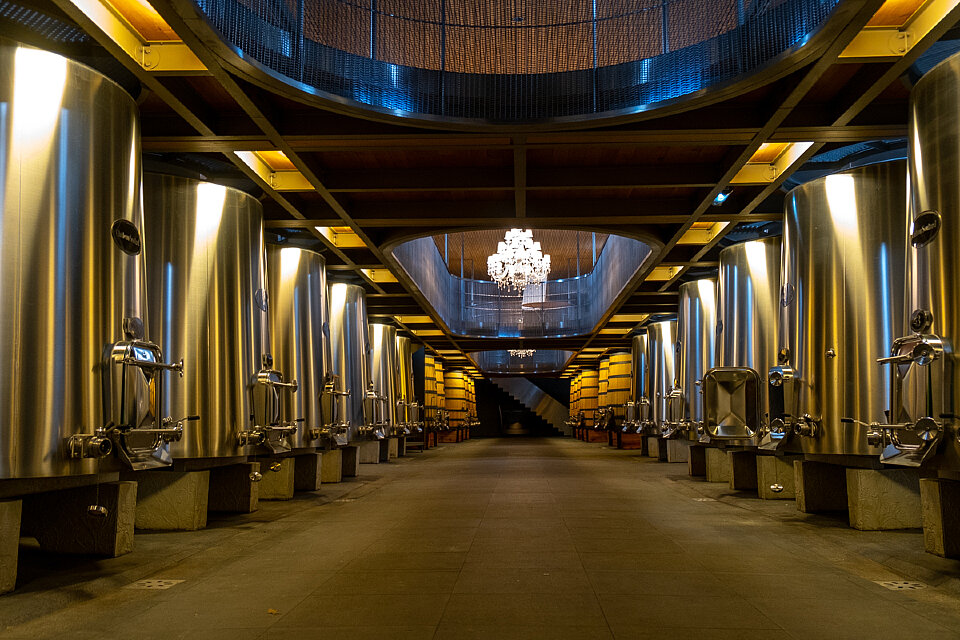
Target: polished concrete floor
(526, 538)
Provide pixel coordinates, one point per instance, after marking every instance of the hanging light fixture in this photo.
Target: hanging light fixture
(521, 353)
(518, 262)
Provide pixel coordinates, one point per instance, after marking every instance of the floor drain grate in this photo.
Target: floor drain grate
(900, 585)
(153, 584)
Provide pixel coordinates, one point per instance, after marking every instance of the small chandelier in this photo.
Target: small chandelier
(518, 261)
(521, 353)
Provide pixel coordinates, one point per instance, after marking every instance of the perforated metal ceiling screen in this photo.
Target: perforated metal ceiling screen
(513, 60)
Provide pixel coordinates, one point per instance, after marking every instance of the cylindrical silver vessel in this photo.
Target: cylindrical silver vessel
(298, 330)
(349, 349)
(933, 264)
(407, 414)
(844, 245)
(746, 341)
(384, 373)
(661, 356)
(206, 268)
(696, 352)
(638, 409)
(71, 266)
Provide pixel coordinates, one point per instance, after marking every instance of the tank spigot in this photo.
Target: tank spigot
(807, 427)
(255, 476)
(96, 445)
(275, 466)
(97, 511)
(776, 488)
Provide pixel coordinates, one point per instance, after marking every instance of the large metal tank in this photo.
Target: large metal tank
(206, 269)
(384, 374)
(735, 402)
(638, 406)
(78, 369)
(925, 425)
(661, 350)
(696, 351)
(297, 284)
(844, 245)
(409, 410)
(349, 352)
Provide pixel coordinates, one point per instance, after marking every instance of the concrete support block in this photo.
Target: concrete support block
(940, 501)
(653, 447)
(10, 511)
(881, 499)
(743, 470)
(819, 487)
(385, 449)
(369, 452)
(633, 441)
(718, 465)
(233, 489)
(61, 521)
(697, 461)
(401, 447)
(172, 500)
(677, 450)
(332, 470)
(393, 448)
(307, 471)
(775, 478)
(350, 464)
(278, 479)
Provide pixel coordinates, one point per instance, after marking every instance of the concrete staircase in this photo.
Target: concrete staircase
(537, 401)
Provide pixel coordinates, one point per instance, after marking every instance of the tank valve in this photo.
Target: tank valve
(256, 476)
(97, 445)
(314, 434)
(97, 511)
(875, 438)
(776, 488)
(275, 466)
(807, 427)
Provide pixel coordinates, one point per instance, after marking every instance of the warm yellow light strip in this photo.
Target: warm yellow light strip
(378, 275)
(767, 172)
(277, 180)
(702, 235)
(630, 317)
(897, 41)
(613, 332)
(414, 319)
(661, 274)
(166, 56)
(342, 239)
(427, 332)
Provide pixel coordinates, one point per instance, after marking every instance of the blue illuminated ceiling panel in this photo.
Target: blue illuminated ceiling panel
(518, 62)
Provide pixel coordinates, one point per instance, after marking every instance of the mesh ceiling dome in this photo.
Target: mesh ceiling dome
(511, 61)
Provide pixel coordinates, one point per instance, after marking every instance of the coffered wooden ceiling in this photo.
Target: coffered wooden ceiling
(370, 183)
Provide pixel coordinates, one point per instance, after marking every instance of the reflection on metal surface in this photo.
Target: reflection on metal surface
(81, 363)
(206, 272)
(349, 351)
(661, 356)
(638, 407)
(696, 350)
(747, 310)
(383, 376)
(844, 244)
(924, 361)
(299, 337)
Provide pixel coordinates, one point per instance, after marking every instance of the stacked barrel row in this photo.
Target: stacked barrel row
(584, 401)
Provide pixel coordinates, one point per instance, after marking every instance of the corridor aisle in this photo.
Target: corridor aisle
(501, 539)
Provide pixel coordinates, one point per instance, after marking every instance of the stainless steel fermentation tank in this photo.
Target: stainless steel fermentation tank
(299, 329)
(638, 408)
(842, 288)
(79, 368)
(661, 350)
(408, 410)
(696, 351)
(735, 402)
(349, 354)
(206, 270)
(380, 406)
(924, 427)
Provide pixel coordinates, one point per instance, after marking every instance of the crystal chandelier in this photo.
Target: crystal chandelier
(518, 261)
(522, 353)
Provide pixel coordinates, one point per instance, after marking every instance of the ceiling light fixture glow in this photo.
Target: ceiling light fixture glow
(518, 262)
